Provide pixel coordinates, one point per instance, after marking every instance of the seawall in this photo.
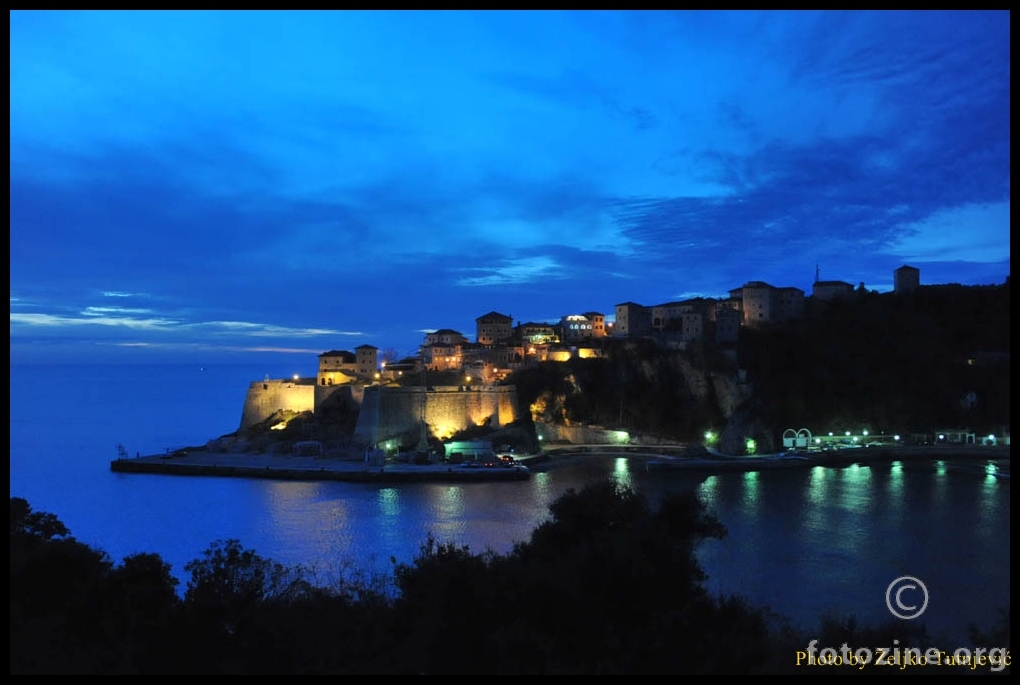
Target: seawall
(386, 412)
(550, 434)
(389, 413)
(201, 463)
(264, 398)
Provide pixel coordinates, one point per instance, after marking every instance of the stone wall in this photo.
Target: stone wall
(264, 398)
(351, 393)
(552, 434)
(391, 413)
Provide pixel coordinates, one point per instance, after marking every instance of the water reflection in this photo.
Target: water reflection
(709, 490)
(894, 488)
(621, 473)
(804, 540)
(451, 502)
(389, 502)
(750, 498)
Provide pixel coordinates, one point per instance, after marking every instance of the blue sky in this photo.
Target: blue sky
(204, 186)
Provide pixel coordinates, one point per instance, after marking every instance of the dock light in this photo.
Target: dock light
(847, 434)
(296, 376)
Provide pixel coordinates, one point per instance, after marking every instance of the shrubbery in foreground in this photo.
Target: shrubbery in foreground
(607, 586)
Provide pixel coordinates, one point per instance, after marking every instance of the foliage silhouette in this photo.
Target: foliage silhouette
(609, 585)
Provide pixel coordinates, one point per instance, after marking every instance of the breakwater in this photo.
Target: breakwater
(346, 471)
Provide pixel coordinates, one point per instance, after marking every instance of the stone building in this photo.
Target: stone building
(906, 280)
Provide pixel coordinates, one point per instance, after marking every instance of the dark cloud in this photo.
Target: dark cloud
(314, 178)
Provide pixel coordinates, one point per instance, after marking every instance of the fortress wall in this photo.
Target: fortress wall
(394, 412)
(266, 397)
(391, 412)
(577, 435)
(368, 418)
(351, 393)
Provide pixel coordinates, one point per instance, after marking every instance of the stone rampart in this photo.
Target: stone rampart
(350, 393)
(392, 413)
(264, 398)
(551, 433)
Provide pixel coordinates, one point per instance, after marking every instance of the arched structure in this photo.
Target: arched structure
(796, 438)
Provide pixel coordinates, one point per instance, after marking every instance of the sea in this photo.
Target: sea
(805, 542)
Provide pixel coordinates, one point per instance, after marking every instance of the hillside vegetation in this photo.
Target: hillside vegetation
(886, 363)
(938, 358)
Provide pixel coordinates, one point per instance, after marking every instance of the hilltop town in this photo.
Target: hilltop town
(680, 368)
(502, 346)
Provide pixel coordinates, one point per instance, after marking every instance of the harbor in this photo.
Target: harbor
(349, 468)
(200, 462)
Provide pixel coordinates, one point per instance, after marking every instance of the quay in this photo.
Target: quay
(342, 467)
(198, 462)
(681, 458)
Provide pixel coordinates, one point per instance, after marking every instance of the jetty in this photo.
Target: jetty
(198, 462)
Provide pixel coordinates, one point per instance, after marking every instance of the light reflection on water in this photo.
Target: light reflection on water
(804, 540)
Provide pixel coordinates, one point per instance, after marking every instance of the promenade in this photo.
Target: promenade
(347, 467)
(683, 458)
(197, 462)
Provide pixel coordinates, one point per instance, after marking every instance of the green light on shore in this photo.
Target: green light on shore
(710, 437)
(750, 446)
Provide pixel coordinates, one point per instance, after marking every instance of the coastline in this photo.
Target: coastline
(200, 462)
(657, 458)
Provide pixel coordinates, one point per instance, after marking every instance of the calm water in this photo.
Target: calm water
(805, 541)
